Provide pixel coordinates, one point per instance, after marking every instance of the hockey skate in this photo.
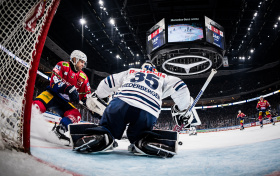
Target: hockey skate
(242, 128)
(273, 123)
(58, 131)
(261, 126)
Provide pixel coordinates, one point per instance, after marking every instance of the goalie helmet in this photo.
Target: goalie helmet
(79, 55)
(149, 66)
(239, 111)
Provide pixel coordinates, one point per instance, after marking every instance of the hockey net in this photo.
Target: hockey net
(23, 30)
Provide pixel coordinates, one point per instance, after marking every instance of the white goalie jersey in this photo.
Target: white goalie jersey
(145, 89)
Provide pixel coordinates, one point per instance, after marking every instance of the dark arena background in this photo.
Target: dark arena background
(184, 38)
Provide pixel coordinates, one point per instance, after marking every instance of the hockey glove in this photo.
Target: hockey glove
(181, 117)
(58, 87)
(73, 94)
(269, 108)
(95, 104)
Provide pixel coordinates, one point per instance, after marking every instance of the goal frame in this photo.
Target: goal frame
(32, 78)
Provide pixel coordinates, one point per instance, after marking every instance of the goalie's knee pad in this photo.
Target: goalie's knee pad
(91, 138)
(158, 143)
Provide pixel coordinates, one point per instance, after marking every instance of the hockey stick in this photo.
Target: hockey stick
(213, 72)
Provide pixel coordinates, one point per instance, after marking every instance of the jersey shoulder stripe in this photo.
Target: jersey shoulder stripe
(182, 85)
(177, 83)
(111, 81)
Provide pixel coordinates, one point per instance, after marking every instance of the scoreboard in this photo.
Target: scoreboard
(156, 36)
(214, 33)
(180, 31)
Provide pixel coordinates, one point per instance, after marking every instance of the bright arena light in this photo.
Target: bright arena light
(112, 21)
(101, 3)
(82, 21)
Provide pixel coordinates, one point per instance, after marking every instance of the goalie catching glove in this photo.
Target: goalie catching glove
(95, 104)
(181, 117)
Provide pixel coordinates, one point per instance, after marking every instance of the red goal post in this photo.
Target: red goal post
(23, 30)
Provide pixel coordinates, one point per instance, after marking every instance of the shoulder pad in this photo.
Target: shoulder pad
(66, 64)
(83, 75)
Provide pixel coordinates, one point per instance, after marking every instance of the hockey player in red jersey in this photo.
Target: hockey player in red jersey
(68, 84)
(241, 116)
(264, 107)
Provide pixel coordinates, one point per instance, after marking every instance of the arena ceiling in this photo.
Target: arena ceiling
(251, 29)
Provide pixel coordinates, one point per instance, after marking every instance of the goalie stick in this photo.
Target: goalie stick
(189, 110)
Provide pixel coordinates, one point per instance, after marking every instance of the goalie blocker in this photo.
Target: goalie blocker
(90, 138)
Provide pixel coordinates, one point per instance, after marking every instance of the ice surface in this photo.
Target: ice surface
(253, 151)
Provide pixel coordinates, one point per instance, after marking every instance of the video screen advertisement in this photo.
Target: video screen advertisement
(156, 36)
(184, 29)
(214, 33)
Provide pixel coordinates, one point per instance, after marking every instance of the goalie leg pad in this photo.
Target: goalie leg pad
(91, 138)
(158, 143)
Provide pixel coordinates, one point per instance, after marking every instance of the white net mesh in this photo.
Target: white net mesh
(17, 50)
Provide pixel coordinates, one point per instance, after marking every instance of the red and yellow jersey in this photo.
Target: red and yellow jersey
(262, 105)
(63, 72)
(241, 115)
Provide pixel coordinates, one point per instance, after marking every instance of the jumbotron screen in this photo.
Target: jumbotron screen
(214, 33)
(156, 36)
(184, 29)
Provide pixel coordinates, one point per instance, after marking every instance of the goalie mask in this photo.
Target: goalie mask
(79, 55)
(181, 117)
(149, 66)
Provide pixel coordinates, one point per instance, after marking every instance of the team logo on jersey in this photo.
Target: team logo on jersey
(83, 75)
(80, 81)
(57, 69)
(73, 75)
(186, 67)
